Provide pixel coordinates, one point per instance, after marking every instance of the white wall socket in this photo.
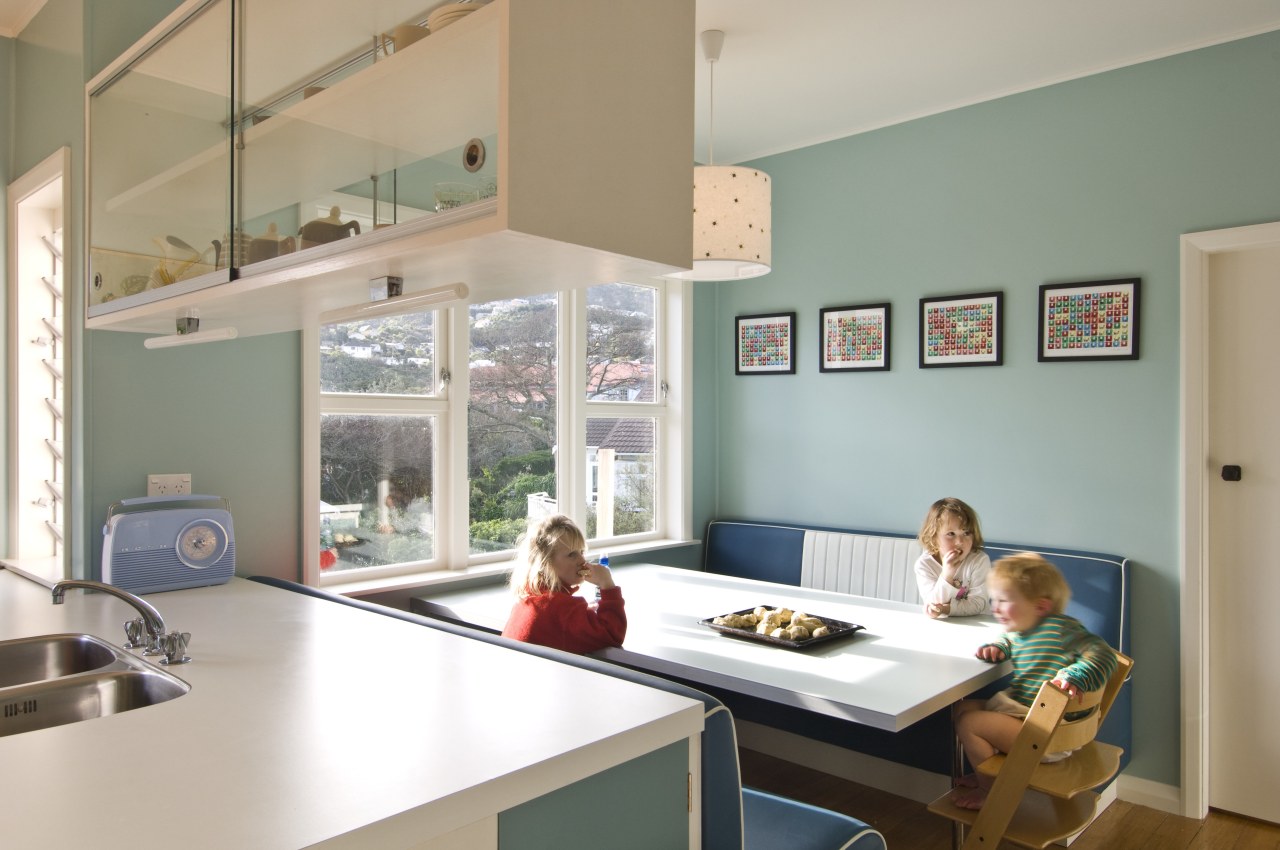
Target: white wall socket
(175, 484)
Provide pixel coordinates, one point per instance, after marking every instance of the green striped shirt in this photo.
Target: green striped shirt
(1059, 644)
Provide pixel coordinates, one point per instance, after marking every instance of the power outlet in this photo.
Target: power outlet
(175, 484)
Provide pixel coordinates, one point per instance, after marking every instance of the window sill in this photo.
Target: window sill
(46, 571)
(479, 573)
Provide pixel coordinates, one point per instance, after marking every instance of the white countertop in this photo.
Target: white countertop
(307, 720)
(902, 668)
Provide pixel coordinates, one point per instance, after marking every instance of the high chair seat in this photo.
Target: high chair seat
(1061, 802)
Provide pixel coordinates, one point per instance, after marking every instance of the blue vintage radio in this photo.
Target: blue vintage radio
(157, 543)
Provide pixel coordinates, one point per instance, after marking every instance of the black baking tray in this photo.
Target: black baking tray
(838, 629)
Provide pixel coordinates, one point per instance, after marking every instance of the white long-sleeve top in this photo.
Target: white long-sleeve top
(968, 599)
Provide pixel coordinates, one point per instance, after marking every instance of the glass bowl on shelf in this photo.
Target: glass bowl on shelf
(453, 195)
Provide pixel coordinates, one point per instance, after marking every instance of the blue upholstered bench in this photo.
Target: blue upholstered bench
(733, 817)
(879, 564)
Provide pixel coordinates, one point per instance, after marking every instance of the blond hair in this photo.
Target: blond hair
(938, 513)
(1034, 578)
(532, 574)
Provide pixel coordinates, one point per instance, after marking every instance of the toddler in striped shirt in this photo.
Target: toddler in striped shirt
(1028, 596)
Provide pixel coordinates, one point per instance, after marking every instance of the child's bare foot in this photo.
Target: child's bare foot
(969, 798)
(969, 780)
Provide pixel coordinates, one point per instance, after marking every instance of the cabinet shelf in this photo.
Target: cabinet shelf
(415, 103)
(589, 121)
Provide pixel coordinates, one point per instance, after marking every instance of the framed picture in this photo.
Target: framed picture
(765, 344)
(853, 339)
(1095, 320)
(961, 330)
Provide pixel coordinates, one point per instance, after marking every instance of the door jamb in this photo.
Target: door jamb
(1196, 250)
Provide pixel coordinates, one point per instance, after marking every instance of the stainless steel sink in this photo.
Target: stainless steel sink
(53, 680)
(50, 657)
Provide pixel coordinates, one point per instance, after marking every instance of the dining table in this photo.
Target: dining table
(898, 668)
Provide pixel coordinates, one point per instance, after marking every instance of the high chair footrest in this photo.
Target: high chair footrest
(1039, 821)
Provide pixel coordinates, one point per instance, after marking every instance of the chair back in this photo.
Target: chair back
(1074, 733)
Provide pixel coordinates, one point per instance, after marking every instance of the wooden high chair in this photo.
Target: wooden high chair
(1060, 803)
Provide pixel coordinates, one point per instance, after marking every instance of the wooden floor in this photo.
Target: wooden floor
(907, 825)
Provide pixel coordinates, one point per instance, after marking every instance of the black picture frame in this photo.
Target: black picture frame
(1089, 321)
(854, 338)
(765, 344)
(962, 330)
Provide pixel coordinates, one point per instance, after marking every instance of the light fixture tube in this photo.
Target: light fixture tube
(195, 338)
(399, 304)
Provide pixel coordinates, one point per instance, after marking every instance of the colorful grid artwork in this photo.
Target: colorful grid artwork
(765, 344)
(960, 331)
(854, 338)
(1089, 321)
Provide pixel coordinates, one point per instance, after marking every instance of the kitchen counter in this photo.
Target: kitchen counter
(310, 723)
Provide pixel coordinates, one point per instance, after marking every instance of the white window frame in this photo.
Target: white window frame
(670, 409)
(39, 204)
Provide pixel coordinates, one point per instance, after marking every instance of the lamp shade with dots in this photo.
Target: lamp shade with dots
(732, 223)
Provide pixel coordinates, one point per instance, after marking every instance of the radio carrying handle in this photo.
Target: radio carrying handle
(153, 500)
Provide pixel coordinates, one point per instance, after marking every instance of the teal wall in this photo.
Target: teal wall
(638, 805)
(1087, 180)
(227, 412)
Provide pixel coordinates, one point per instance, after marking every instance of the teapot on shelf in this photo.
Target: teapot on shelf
(328, 229)
(271, 244)
(401, 37)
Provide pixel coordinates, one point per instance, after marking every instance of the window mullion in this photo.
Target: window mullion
(675, 425)
(453, 521)
(571, 419)
(385, 405)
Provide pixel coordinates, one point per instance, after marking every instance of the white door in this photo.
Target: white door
(1243, 575)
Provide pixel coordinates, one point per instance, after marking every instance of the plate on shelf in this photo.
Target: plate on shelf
(837, 629)
(448, 14)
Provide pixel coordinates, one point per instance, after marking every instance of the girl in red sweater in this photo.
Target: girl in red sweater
(549, 568)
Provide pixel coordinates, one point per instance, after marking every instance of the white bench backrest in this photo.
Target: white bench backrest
(861, 564)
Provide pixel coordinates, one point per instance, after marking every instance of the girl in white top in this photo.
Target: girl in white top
(952, 571)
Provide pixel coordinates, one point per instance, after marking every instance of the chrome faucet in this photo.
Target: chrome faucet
(151, 619)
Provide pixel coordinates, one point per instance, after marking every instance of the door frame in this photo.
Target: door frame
(1196, 250)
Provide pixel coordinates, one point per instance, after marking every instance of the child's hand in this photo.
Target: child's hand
(1062, 683)
(991, 653)
(937, 609)
(597, 574)
(951, 565)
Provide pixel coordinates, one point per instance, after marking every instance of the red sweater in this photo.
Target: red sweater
(564, 621)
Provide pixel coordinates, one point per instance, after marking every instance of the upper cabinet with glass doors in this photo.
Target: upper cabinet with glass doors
(262, 161)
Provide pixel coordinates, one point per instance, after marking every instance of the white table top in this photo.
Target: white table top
(902, 668)
(310, 722)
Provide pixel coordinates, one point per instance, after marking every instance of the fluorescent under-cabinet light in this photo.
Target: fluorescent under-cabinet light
(193, 338)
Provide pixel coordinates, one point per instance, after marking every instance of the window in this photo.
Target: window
(37, 326)
(511, 418)
(621, 378)
(565, 404)
(378, 419)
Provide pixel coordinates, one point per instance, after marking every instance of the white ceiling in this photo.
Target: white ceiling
(796, 73)
(16, 14)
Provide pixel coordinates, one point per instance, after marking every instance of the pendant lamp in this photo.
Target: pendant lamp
(732, 217)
